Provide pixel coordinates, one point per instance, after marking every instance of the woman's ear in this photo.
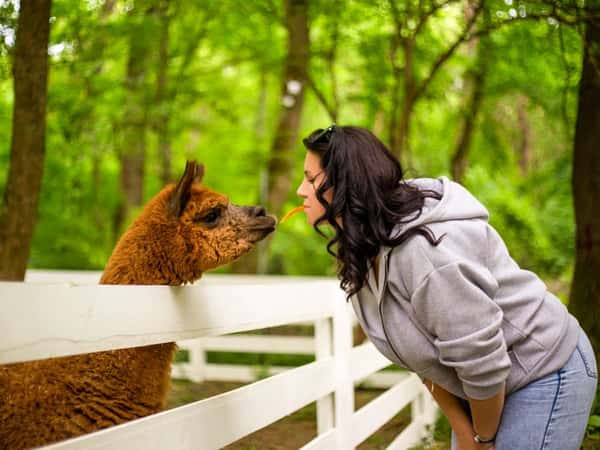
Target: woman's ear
(193, 173)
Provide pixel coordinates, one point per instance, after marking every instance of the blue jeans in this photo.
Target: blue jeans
(550, 413)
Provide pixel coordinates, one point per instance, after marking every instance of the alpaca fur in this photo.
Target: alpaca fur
(172, 242)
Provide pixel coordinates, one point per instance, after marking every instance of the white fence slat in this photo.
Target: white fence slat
(219, 420)
(324, 349)
(418, 405)
(366, 359)
(254, 344)
(229, 372)
(197, 364)
(83, 277)
(84, 317)
(247, 374)
(96, 318)
(63, 276)
(344, 392)
(181, 371)
(409, 437)
(383, 379)
(80, 277)
(370, 417)
(325, 441)
(431, 408)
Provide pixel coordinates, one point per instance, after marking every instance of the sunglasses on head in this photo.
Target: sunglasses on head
(320, 136)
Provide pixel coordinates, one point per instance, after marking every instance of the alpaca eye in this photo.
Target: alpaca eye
(210, 218)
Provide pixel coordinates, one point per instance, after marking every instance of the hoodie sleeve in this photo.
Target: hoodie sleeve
(454, 303)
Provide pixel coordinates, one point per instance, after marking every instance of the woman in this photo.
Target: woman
(436, 291)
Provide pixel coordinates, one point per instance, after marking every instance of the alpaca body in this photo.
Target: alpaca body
(58, 398)
(182, 232)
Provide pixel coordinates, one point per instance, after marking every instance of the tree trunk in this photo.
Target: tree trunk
(19, 211)
(162, 103)
(256, 260)
(332, 107)
(405, 37)
(395, 93)
(168, 87)
(401, 109)
(331, 60)
(401, 147)
(524, 146)
(584, 301)
(132, 153)
(460, 159)
(474, 86)
(292, 98)
(98, 46)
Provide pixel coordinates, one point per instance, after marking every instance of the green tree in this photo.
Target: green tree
(584, 299)
(18, 215)
(135, 121)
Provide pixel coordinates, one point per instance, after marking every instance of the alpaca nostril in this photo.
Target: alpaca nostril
(259, 211)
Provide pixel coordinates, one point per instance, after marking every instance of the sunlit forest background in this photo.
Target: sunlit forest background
(502, 96)
(203, 80)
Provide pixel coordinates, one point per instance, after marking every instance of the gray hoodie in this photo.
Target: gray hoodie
(463, 314)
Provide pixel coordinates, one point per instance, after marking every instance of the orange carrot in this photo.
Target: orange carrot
(297, 209)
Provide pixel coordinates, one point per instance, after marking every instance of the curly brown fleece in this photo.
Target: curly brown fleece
(172, 242)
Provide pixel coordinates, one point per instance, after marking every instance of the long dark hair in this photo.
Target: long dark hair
(369, 195)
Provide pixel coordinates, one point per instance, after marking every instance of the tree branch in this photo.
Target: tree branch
(396, 18)
(464, 36)
(269, 10)
(321, 97)
(425, 15)
(188, 55)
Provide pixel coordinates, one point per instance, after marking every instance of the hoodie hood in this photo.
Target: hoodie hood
(456, 204)
(463, 314)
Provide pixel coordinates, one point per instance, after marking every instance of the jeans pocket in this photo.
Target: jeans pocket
(584, 347)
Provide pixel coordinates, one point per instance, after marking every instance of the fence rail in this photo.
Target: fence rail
(51, 315)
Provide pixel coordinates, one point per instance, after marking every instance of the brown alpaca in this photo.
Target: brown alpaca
(183, 231)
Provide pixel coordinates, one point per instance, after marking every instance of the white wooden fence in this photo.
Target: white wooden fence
(42, 318)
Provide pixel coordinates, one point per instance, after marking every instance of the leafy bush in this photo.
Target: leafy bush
(536, 225)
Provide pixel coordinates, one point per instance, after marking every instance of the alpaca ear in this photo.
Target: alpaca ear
(193, 174)
(199, 173)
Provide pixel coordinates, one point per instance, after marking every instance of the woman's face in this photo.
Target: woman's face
(313, 177)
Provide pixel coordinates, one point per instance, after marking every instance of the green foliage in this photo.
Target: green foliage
(592, 434)
(538, 228)
(224, 81)
(224, 71)
(438, 436)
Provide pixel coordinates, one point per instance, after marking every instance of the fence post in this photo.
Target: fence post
(418, 405)
(344, 392)
(430, 408)
(324, 349)
(423, 411)
(197, 361)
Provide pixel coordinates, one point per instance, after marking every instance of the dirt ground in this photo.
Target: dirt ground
(295, 430)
